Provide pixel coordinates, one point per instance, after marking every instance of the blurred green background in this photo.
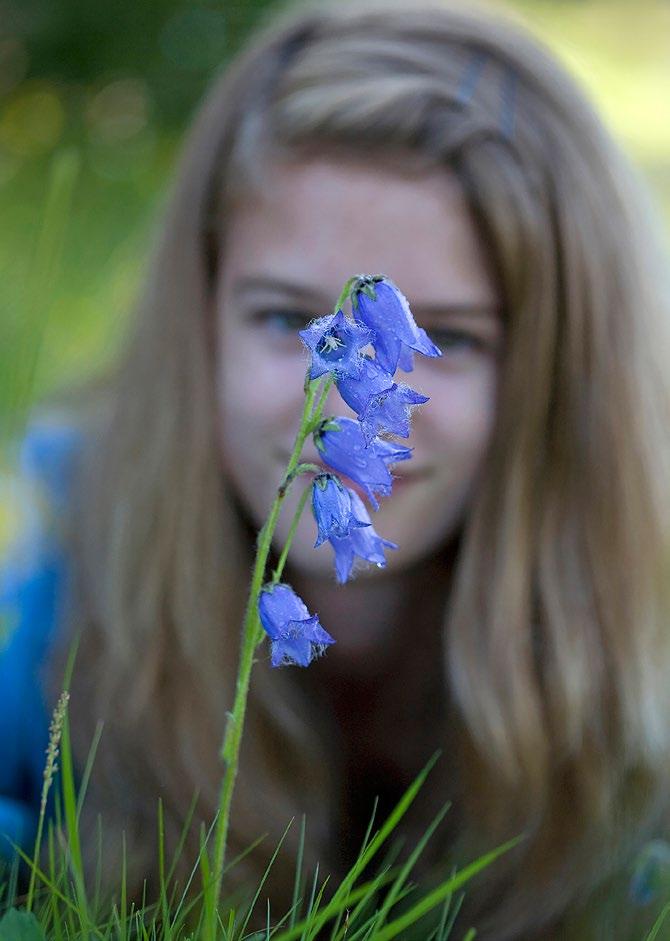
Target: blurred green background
(99, 96)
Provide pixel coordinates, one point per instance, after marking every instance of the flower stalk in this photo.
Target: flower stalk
(252, 634)
(337, 346)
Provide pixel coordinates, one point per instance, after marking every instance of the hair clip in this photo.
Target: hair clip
(470, 77)
(468, 84)
(509, 93)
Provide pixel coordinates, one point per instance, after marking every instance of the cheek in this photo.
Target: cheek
(259, 402)
(458, 420)
(254, 382)
(243, 377)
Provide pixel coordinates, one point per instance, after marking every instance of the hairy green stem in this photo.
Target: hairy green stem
(318, 410)
(252, 632)
(250, 636)
(276, 575)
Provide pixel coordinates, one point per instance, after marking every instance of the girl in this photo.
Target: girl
(522, 626)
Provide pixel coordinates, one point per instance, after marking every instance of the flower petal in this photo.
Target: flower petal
(297, 637)
(346, 450)
(331, 506)
(335, 343)
(380, 304)
(364, 543)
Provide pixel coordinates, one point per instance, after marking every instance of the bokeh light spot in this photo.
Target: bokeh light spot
(194, 39)
(32, 121)
(119, 111)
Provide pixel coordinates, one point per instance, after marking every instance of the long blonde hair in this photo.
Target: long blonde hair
(557, 658)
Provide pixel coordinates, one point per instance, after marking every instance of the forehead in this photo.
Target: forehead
(319, 221)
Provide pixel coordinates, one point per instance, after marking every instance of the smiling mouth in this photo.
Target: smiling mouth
(414, 475)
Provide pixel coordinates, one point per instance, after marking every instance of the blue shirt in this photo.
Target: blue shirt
(32, 580)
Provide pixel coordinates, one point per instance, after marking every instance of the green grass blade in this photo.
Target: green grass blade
(44, 878)
(162, 888)
(450, 912)
(431, 899)
(394, 891)
(310, 904)
(123, 935)
(182, 838)
(298, 874)
(389, 824)
(353, 916)
(264, 879)
(372, 921)
(366, 839)
(656, 927)
(311, 925)
(72, 824)
(339, 899)
(331, 911)
(88, 768)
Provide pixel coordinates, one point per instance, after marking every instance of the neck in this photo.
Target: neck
(379, 616)
(382, 682)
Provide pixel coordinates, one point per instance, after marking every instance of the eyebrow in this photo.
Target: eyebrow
(271, 283)
(307, 293)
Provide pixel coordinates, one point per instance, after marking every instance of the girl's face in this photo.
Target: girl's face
(289, 250)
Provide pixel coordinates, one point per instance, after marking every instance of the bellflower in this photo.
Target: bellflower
(364, 543)
(651, 872)
(335, 343)
(295, 635)
(331, 503)
(343, 447)
(380, 305)
(380, 403)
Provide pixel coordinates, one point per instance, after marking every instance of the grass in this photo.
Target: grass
(369, 904)
(375, 901)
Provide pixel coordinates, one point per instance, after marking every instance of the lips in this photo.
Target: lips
(408, 476)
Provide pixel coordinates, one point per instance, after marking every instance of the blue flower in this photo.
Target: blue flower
(343, 447)
(296, 636)
(651, 873)
(335, 344)
(331, 503)
(382, 307)
(380, 403)
(364, 543)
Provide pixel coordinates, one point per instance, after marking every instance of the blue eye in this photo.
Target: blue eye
(452, 341)
(283, 321)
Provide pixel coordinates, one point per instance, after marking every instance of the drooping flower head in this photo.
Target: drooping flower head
(296, 636)
(363, 543)
(335, 343)
(343, 447)
(650, 873)
(331, 504)
(381, 306)
(380, 403)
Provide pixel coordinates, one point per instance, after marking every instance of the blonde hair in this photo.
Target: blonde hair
(556, 638)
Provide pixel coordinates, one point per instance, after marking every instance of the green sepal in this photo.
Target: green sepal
(365, 284)
(330, 424)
